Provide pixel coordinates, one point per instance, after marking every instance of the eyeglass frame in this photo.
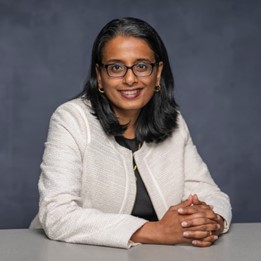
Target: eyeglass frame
(128, 68)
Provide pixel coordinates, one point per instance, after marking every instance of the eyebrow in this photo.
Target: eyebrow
(136, 61)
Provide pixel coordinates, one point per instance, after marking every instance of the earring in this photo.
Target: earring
(100, 90)
(157, 88)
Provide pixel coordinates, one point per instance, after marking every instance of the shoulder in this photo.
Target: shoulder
(75, 106)
(75, 116)
(78, 109)
(182, 127)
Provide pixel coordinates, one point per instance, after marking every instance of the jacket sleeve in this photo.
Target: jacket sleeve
(60, 212)
(199, 181)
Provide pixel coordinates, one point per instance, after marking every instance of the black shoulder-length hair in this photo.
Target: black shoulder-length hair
(158, 118)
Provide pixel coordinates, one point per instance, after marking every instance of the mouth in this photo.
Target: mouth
(130, 94)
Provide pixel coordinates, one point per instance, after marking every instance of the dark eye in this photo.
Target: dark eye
(142, 67)
(116, 67)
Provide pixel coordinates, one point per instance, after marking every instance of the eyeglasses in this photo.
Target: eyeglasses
(141, 69)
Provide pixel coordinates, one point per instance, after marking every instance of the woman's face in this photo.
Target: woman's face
(128, 94)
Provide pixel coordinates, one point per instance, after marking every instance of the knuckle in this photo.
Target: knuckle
(205, 220)
(204, 227)
(213, 215)
(172, 208)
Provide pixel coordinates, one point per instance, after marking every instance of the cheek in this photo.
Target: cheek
(108, 85)
(150, 84)
(149, 89)
(149, 92)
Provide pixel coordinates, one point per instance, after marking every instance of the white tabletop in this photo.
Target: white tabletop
(243, 242)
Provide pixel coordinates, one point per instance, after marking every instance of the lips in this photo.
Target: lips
(130, 94)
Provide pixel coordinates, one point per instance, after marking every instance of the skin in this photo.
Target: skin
(192, 221)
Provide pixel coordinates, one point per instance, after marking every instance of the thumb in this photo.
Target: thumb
(186, 203)
(183, 204)
(196, 201)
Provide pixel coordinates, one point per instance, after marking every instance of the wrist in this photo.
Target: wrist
(222, 224)
(147, 234)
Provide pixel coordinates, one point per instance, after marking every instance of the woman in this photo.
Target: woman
(119, 166)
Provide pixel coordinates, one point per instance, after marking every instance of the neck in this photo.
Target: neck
(130, 118)
(129, 133)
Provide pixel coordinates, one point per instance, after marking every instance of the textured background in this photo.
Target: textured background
(215, 52)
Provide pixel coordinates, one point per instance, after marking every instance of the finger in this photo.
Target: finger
(196, 234)
(206, 227)
(204, 217)
(183, 204)
(201, 243)
(196, 200)
(200, 224)
(198, 207)
(197, 220)
(187, 202)
(202, 207)
(208, 241)
(205, 211)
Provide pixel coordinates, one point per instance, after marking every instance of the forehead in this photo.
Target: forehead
(127, 49)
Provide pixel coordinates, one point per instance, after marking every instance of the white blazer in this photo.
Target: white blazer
(87, 185)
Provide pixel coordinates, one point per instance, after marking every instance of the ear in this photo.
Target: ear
(159, 71)
(98, 74)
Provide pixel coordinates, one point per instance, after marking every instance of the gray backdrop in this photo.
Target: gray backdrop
(215, 51)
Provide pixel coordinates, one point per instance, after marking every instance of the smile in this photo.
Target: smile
(130, 94)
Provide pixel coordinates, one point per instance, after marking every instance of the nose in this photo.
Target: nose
(130, 78)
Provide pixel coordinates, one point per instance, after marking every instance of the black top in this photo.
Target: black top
(143, 207)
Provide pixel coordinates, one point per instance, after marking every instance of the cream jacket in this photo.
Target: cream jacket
(87, 184)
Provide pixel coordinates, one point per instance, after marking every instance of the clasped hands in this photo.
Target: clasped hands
(191, 221)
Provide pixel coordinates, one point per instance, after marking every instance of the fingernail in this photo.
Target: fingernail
(180, 210)
(215, 237)
(186, 234)
(194, 242)
(184, 224)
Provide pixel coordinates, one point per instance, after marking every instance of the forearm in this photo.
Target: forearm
(147, 234)
(74, 224)
(157, 233)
